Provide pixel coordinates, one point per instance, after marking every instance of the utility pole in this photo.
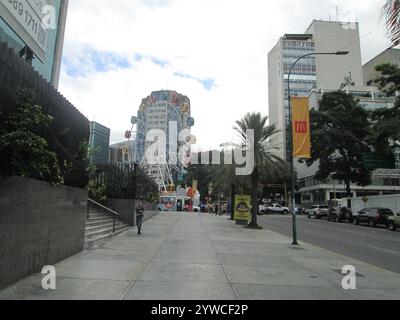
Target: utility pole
(293, 188)
(135, 168)
(233, 202)
(286, 195)
(334, 188)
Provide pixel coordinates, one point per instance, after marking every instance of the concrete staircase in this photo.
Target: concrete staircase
(99, 227)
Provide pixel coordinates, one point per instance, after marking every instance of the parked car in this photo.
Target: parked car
(262, 210)
(318, 212)
(373, 216)
(277, 208)
(300, 211)
(394, 222)
(340, 214)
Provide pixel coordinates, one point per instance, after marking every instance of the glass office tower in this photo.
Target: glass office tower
(49, 68)
(99, 143)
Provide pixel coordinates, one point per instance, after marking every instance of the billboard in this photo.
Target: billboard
(379, 161)
(26, 18)
(242, 208)
(301, 128)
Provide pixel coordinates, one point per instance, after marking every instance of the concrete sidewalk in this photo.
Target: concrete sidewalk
(191, 256)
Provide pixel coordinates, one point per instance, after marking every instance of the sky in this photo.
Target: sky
(116, 52)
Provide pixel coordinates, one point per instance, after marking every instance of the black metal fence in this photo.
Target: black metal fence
(121, 182)
(69, 129)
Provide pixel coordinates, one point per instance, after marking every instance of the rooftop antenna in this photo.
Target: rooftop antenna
(337, 13)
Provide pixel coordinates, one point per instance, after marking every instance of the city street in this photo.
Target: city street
(377, 246)
(183, 256)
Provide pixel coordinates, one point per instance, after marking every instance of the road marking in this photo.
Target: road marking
(361, 233)
(380, 249)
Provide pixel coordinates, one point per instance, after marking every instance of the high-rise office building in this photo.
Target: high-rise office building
(37, 34)
(289, 48)
(122, 153)
(313, 72)
(165, 111)
(333, 36)
(99, 143)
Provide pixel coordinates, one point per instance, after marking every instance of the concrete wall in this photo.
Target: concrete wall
(387, 201)
(332, 36)
(388, 56)
(125, 208)
(40, 225)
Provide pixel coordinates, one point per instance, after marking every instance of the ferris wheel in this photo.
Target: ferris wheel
(164, 174)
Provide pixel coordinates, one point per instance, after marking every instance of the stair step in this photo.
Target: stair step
(103, 231)
(99, 221)
(90, 228)
(96, 218)
(92, 241)
(91, 213)
(99, 226)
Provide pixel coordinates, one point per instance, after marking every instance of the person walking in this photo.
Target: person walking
(139, 216)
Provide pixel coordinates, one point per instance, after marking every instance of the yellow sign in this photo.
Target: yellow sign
(243, 208)
(301, 128)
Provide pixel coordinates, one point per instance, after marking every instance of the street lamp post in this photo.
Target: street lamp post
(338, 53)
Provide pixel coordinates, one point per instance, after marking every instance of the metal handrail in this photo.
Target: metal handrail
(112, 212)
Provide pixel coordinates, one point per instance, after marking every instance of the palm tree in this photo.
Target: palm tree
(267, 165)
(225, 179)
(391, 15)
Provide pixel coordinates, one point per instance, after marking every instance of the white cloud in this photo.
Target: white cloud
(226, 40)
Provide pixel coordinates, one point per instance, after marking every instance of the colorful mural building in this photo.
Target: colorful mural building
(155, 113)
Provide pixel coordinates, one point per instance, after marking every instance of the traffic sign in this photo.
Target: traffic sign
(372, 161)
(128, 134)
(190, 122)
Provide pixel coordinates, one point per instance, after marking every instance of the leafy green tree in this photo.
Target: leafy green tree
(224, 178)
(385, 128)
(24, 152)
(267, 165)
(97, 192)
(79, 164)
(339, 131)
(388, 79)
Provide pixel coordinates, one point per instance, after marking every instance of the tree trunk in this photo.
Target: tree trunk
(233, 202)
(348, 193)
(254, 198)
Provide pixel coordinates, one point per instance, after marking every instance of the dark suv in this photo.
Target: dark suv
(373, 216)
(340, 214)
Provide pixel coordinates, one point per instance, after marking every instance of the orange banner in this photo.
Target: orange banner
(301, 128)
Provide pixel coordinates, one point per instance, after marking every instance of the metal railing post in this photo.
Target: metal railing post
(114, 214)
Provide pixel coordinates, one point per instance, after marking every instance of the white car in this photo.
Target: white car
(277, 208)
(318, 212)
(262, 210)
